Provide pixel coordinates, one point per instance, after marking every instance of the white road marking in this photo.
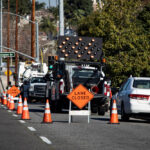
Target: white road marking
(15, 115)
(31, 129)
(9, 111)
(22, 121)
(46, 140)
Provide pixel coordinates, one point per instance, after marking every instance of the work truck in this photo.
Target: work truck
(80, 61)
(32, 74)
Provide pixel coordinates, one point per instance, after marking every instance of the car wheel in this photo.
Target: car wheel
(101, 111)
(124, 116)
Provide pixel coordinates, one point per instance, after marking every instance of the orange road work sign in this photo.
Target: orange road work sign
(80, 96)
(14, 91)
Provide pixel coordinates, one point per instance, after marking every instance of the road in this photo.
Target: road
(79, 135)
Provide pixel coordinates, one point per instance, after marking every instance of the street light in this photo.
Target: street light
(1, 40)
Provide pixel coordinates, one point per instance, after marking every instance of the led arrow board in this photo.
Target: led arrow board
(80, 48)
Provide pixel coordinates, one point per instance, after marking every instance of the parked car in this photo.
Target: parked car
(133, 97)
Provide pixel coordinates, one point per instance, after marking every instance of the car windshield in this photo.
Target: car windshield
(38, 80)
(141, 84)
(85, 73)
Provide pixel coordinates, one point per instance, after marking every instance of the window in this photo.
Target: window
(85, 73)
(38, 80)
(126, 85)
(141, 84)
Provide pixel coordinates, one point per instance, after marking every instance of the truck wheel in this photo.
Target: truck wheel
(101, 111)
(124, 116)
(94, 109)
(56, 107)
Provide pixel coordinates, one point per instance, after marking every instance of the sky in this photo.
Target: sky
(52, 2)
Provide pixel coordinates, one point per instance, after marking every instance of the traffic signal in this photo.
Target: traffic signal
(51, 61)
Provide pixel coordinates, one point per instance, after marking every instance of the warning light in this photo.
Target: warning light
(80, 39)
(79, 56)
(73, 47)
(66, 55)
(76, 51)
(67, 38)
(92, 56)
(86, 48)
(90, 44)
(89, 52)
(63, 50)
(104, 60)
(76, 43)
(93, 40)
(56, 57)
(60, 46)
(63, 42)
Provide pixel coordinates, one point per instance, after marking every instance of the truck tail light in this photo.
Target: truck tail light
(105, 88)
(139, 97)
(95, 89)
(61, 87)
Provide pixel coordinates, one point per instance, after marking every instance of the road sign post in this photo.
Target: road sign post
(80, 96)
(13, 91)
(7, 54)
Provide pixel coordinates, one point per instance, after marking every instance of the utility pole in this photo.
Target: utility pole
(61, 17)
(33, 30)
(8, 42)
(16, 43)
(1, 33)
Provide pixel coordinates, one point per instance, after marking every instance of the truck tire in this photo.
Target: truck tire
(56, 107)
(101, 110)
(94, 109)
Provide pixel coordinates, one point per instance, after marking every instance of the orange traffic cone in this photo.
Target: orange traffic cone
(47, 114)
(8, 101)
(25, 112)
(114, 114)
(19, 107)
(4, 99)
(11, 104)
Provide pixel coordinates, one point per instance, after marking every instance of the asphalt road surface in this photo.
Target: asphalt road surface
(15, 136)
(79, 135)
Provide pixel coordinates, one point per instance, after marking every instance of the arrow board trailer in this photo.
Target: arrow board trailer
(80, 61)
